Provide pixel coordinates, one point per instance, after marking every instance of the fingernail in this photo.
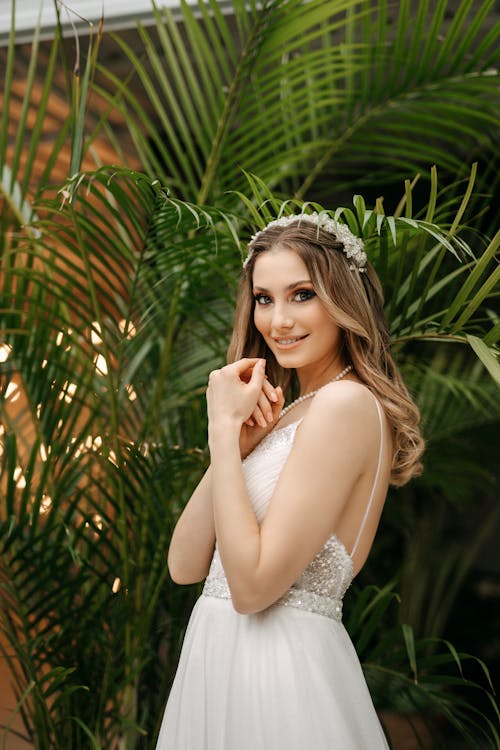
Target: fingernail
(273, 397)
(262, 422)
(262, 363)
(269, 416)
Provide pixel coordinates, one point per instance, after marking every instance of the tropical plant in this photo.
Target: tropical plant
(400, 673)
(104, 352)
(100, 316)
(456, 399)
(318, 99)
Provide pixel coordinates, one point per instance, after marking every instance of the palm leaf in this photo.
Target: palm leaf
(85, 439)
(306, 96)
(410, 674)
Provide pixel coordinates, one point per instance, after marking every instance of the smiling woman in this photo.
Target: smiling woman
(292, 320)
(347, 298)
(266, 661)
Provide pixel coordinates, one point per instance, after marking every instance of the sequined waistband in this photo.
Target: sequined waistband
(309, 601)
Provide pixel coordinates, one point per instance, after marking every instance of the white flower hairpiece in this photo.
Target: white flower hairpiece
(353, 246)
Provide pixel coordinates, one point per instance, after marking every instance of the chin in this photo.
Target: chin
(288, 362)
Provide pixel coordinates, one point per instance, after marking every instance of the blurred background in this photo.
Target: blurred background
(137, 152)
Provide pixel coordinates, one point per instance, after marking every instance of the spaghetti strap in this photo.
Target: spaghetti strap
(372, 494)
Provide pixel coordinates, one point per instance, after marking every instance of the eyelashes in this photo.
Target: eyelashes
(300, 295)
(261, 299)
(304, 295)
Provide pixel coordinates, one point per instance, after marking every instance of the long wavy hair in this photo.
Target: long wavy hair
(355, 302)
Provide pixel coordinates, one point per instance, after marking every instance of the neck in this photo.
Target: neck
(311, 394)
(311, 381)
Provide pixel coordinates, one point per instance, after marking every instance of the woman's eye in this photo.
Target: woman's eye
(302, 295)
(262, 299)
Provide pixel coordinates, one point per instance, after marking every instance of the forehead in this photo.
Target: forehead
(277, 267)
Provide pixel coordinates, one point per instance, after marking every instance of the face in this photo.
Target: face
(291, 318)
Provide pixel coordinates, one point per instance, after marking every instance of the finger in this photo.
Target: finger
(241, 365)
(265, 407)
(270, 391)
(258, 416)
(258, 374)
(277, 407)
(281, 396)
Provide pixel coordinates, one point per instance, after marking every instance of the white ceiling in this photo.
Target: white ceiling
(118, 14)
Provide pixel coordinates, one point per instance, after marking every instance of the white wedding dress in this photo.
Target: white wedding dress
(286, 678)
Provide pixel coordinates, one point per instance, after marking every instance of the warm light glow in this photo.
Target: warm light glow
(44, 453)
(5, 350)
(127, 328)
(19, 478)
(60, 338)
(13, 392)
(131, 392)
(95, 333)
(97, 443)
(38, 411)
(98, 521)
(101, 365)
(45, 504)
(79, 450)
(112, 458)
(116, 586)
(45, 362)
(68, 392)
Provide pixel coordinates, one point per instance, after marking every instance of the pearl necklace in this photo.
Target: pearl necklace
(313, 393)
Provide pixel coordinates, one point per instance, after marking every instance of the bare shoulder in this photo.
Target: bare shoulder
(341, 409)
(339, 431)
(346, 398)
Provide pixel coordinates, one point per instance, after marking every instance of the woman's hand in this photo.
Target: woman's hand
(252, 431)
(239, 395)
(233, 391)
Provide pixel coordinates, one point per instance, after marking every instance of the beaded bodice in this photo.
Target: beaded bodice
(321, 587)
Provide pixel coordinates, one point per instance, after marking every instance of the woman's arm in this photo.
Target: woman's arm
(192, 544)
(335, 451)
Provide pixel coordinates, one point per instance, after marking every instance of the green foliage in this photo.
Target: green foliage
(90, 504)
(316, 99)
(98, 361)
(116, 302)
(419, 676)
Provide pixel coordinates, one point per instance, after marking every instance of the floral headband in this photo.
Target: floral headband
(353, 246)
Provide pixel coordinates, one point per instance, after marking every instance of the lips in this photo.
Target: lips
(289, 341)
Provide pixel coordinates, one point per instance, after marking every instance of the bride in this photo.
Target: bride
(287, 512)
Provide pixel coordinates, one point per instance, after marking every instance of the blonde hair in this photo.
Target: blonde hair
(355, 302)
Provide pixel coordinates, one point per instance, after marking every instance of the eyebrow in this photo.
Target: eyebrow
(288, 288)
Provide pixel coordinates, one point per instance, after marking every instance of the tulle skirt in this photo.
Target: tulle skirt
(282, 679)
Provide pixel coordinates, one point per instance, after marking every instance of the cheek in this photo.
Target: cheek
(259, 320)
(324, 322)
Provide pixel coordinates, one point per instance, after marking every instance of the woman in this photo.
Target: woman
(292, 499)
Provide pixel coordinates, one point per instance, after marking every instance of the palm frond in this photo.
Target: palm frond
(419, 676)
(310, 95)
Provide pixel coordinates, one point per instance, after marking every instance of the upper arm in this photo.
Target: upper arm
(333, 449)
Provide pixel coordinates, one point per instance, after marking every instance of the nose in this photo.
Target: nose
(282, 319)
